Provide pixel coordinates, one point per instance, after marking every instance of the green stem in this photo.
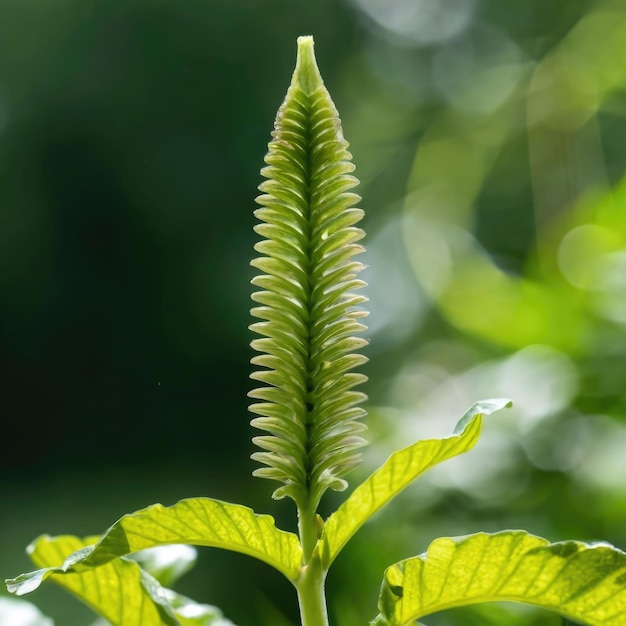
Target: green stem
(310, 585)
(308, 532)
(312, 594)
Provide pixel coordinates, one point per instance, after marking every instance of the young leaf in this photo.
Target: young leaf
(197, 521)
(397, 472)
(309, 315)
(119, 591)
(584, 582)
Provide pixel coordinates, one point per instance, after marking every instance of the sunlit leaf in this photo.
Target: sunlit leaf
(15, 612)
(119, 591)
(397, 472)
(584, 582)
(187, 612)
(197, 521)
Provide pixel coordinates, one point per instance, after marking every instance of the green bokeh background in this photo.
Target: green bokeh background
(489, 138)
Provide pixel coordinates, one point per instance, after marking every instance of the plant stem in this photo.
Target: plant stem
(310, 585)
(312, 594)
(307, 529)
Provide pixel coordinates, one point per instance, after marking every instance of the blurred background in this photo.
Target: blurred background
(489, 138)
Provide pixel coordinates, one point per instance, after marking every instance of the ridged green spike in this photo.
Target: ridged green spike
(309, 314)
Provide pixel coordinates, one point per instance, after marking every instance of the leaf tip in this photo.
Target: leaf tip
(484, 407)
(24, 583)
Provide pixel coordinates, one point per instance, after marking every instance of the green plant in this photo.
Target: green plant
(310, 412)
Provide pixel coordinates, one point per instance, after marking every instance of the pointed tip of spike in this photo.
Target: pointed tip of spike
(307, 75)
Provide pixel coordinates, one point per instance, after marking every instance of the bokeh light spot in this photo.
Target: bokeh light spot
(422, 22)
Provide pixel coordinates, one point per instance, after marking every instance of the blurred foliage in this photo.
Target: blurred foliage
(489, 138)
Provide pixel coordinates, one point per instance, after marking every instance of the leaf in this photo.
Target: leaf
(397, 472)
(198, 521)
(21, 613)
(188, 612)
(309, 315)
(584, 582)
(119, 591)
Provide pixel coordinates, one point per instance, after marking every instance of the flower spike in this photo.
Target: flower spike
(308, 311)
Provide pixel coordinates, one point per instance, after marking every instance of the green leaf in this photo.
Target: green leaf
(309, 315)
(397, 472)
(119, 590)
(187, 612)
(21, 613)
(197, 521)
(584, 582)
